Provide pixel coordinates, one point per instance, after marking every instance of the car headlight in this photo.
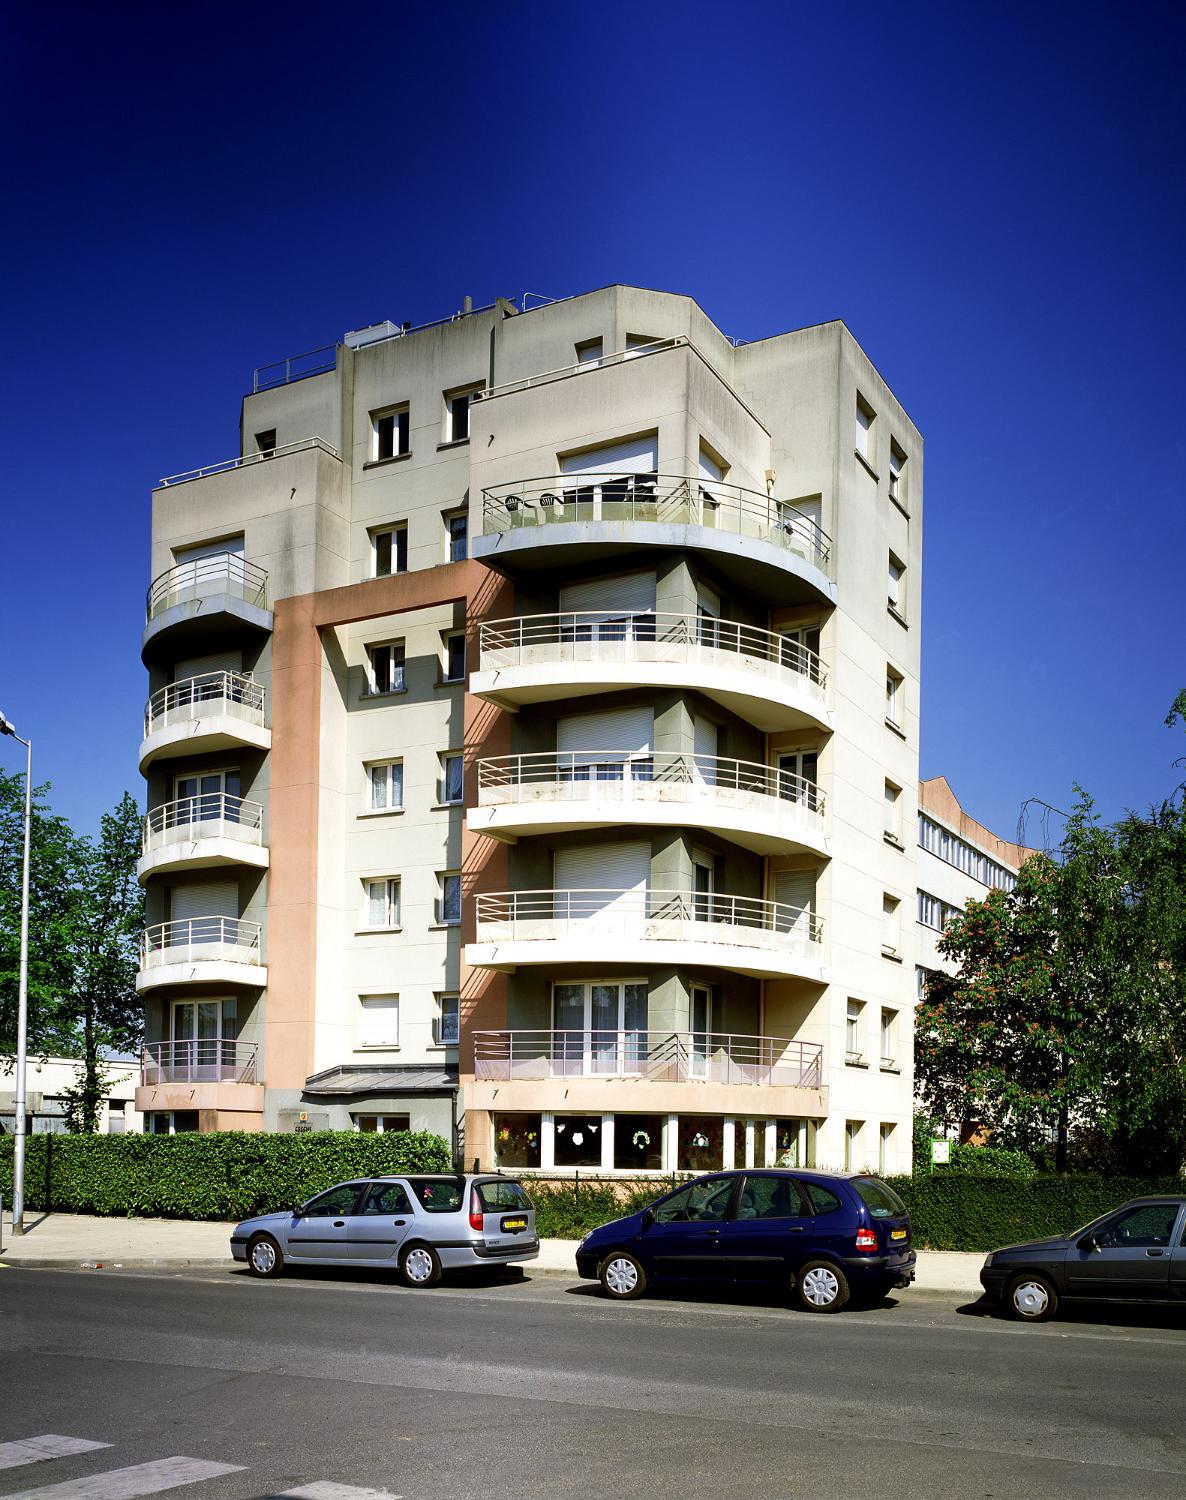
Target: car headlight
(987, 1261)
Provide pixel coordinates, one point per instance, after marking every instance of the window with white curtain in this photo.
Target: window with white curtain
(383, 902)
(385, 785)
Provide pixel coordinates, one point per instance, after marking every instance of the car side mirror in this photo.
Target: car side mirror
(1089, 1243)
(298, 1212)
(648, 1218)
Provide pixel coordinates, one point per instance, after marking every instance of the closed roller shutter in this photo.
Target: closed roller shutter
(796, 889)
(198, 666)
(233, 544)
(638, 456)
(628, 730)
(615, 874)
(631, 593)
(215, 898)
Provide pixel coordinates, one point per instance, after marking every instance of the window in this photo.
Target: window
(1144, 1228)
(385, 786)
(517, 1139)
(448, 1025)
(498, 1197)
(852, 1034)
(866, 416)
(379, 1022)
(457, 404)
(265, 442)
(893, 808)
(449, 900)
(769, 1198)
(390, 433)
(889, 1026)
(457, 536)
(338, 1202)
(172, 1122)
(444, 1196)
(577, 1140)
(385, 668)
(921, 976)
(897, 586)
(454, 658)
(889, 926)
(897, 475)
(797, 774)
(699, 1202)
(383, 902)
(389, 551)
(852, 1144)
(895, 694)
(589, 352)
(823, 1200)
(638, 1142)
(932, 912)
(953, 850)
(636, 343)
(390, 1196)
(452, 781)
(800, 650)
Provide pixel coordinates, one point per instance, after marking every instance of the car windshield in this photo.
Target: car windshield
(438, 1197)
(878, 1197)
(500, 1195)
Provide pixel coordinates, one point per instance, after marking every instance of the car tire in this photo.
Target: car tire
(419, 1266)
(1031, 1298)
(622, 1276)
(821, 1287)
(264, 1256)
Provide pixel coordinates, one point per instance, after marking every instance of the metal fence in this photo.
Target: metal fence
(658, 1056)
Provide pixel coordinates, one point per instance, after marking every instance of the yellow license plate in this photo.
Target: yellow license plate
(510, 1225)
(897, 1234)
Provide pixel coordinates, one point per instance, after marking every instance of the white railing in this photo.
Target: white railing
(200, 938)
(204, 577)
(246, 460)
(647, 638)
(199, 1060)
(650, 916)
(603, 361)
(656, 1056)
(655, 498)
(641, 776)
(205, 815)
(192, 698)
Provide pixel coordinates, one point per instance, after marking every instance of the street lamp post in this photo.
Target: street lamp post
(22, 1014)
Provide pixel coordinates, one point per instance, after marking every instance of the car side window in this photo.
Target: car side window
(1140, 1228)
(823, 1200)
(438, 1197)
(768, 1198)
(339, 1200)
(387, 1198)
(698, 1202)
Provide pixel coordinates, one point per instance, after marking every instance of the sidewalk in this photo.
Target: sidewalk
(74, 1240)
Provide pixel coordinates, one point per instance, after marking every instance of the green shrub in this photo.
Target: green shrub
(227, 1175)
(988, 1161)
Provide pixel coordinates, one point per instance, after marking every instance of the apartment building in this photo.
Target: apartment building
(532, 742)
(959, 860)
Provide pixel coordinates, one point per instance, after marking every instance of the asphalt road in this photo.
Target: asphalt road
(508, 1388)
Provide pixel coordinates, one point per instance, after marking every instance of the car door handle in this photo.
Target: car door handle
(399, 1223)
(339, 1223)
(796, 1229)
(1154, 1252)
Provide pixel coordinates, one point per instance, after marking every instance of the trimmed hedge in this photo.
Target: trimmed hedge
(227, 1175)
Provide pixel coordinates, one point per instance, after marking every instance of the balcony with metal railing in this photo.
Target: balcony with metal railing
(676, 928)
(211, 711)
(557, 520)
(205, 831)
(199, 1060)
(201, 950)
(656, 1056)
(202, 603)
(760, 807)
(770, 680)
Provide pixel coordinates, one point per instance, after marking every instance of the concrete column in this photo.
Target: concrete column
(607, 1143)
(728, 1146)
(671, 1143)
(547, 1141)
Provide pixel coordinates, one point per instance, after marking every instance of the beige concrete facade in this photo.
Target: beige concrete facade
(760, 497)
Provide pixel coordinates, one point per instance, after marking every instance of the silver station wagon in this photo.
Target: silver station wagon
(418, 1225)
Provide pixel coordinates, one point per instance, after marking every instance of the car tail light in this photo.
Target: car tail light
(866, 1239)
(475, 1210)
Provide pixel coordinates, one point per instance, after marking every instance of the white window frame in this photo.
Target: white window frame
(396, 530)
(443, 797)
(392, 783)
(398, 672)
(891, 925)
(449, 398)
(896, 586)
(854, 1015)
(380, 1128)
(897, 475)
(889, 1036)
(864, 422)
(447, 518)
(893, 813)
(401, 432)
(392, 903)
(447, 1025)
(853, 1130)
(895, 692)
(885, 1136)
(444, 876)
(390, 1008)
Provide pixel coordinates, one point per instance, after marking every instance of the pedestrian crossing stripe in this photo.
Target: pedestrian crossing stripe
(49, 1445)
(336, 1492)
(127, 1484)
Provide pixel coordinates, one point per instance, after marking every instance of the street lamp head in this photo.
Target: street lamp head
(6, 727)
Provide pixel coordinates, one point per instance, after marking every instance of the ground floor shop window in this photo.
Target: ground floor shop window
(380, 1124)
(578, 1140)
(701, 1143)
(517, 1140)
(638, 1143)
(794, 1143)
(172, 1122)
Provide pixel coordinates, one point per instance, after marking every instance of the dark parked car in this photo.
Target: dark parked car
(1134, 1253)
(827, 1236)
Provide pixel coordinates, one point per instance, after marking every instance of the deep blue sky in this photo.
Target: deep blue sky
(991, 197)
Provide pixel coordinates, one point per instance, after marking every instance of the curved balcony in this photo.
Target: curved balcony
(767, 679)
(764, 939)
(757, 806)
(201, 950)
(199, 606)
(202, 833)
(555, 521)
(204, 1073)
(213, 711)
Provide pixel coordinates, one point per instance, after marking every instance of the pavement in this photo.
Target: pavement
(77, 1241)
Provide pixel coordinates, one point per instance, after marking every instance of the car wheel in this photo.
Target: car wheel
(622, 1277)
(264, 1256)
(419, 1265)
(822, 1287)
(1032, 1298)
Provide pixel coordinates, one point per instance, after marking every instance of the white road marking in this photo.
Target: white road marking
(126, 1484)
(49, 1445)
(336, 1492)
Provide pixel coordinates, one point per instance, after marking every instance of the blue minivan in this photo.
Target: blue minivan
(828, 1236)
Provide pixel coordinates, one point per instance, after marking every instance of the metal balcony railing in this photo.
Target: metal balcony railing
(201, 1060)
(644, 776)
(646, 638)
(231, 693)
(656, 1056)
(668, 499)
(650, 916)
(295, 367)
(206, 815)
(201, 939)
(246, 460)
(221, 573)
(582, 367)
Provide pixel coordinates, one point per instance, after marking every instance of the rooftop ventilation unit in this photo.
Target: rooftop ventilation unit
(359, 338)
